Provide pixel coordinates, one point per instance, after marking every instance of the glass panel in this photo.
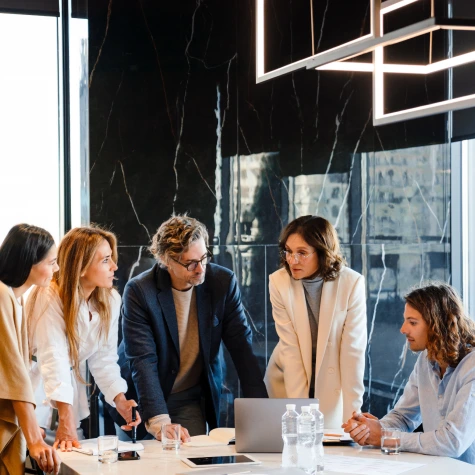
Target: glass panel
(29, 140)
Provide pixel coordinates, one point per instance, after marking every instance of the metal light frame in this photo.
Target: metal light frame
(333, 59)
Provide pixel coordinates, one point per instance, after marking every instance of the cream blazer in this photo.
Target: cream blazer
(15, 382)
(341, 344)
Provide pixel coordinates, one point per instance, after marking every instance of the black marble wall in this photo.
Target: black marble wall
(178, 124)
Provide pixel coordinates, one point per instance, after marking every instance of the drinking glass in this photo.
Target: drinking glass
(107, 448)
(390, 441)
(171, 436)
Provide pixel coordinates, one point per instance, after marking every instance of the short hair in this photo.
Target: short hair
(451, 334)
(23, 247)
(321, 235)
(175, 236)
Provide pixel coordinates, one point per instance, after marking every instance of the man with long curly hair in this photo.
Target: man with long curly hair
(440, 392)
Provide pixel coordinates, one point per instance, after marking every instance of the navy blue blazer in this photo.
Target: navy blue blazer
(150, 348)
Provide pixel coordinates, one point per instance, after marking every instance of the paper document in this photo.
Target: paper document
(216, 437)
(89, 447)
(247, 470)
(366, 465)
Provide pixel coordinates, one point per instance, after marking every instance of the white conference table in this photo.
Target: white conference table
(155, 461)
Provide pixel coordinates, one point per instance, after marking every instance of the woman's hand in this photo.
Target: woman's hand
(46, 456)
(66, 434)
(124, 408)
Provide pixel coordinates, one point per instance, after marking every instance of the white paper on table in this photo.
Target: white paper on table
(89, 447)
(366, 465)
(219, 436)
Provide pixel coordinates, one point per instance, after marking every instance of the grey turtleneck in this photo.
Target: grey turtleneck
(313, 296)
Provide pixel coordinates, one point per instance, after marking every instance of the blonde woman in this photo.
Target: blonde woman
(319, 308)
(74, 322)
(27, 257)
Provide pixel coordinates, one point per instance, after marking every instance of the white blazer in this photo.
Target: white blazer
(52, 377)
(341, 344)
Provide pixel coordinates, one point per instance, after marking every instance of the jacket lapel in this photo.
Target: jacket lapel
(301, 324)
(327, 310)
(205, 320)
(165, 300)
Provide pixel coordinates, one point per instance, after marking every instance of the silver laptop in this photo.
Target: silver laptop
(258, 423)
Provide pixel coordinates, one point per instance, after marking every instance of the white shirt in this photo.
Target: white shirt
(50, 346)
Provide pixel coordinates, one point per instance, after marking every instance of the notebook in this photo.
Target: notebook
(258, 423)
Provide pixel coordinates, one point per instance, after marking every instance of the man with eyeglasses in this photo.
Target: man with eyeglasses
(174, 318)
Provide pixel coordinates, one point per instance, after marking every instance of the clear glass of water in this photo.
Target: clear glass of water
(171, 436)
(390, 441)
(108, 448)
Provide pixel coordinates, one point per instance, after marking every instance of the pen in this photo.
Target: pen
(134, 428)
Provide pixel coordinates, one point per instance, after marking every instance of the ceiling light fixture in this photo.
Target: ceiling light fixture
(336, 59)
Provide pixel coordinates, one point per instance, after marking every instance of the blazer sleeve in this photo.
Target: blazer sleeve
(290, 357)
(141, 351)
(16, 385)
(237, 336)
(353, 350)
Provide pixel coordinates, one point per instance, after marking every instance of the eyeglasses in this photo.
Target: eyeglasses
(191, 266)
(298, 256)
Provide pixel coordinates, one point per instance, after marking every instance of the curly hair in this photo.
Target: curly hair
(175, 236)
(451, 334)
(321, 235)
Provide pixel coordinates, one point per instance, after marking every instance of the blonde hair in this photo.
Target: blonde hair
(175, 236)
(75, 254)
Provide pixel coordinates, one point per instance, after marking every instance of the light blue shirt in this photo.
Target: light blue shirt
(446, 408)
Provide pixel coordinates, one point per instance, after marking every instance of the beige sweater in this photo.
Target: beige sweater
(15, 383)
(187, 319)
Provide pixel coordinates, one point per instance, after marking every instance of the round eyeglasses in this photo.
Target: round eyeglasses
(191, 266)
(298, 256)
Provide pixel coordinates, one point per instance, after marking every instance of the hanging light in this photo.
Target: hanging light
(336, 59)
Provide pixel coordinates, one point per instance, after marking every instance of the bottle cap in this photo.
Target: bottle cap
(314, 406)
(290, 407)
(305, 408)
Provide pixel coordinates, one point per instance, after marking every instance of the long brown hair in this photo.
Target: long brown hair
(75, 254)
(321, 235)
(451, 334)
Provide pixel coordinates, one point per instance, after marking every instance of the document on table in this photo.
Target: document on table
(366, 465)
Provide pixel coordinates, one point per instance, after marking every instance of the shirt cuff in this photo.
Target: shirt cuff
(62, 393)
(154, 424)
(119, 386)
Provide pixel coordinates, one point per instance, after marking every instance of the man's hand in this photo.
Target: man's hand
(365, 429)
(124, 408)
(66, 435)
(184, 434)
(46, 457)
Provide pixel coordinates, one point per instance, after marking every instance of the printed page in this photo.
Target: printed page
(367, 466)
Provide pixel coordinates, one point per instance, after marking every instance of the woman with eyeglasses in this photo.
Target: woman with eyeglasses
(27, 258)
(75, 322)
(319, 309)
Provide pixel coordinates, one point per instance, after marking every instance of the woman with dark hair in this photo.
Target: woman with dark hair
(27, 257)
(319, 309)
(75, 322)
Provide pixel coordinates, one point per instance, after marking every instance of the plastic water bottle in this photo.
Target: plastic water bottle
(318, 455)
(306, 440)
(289, 436)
